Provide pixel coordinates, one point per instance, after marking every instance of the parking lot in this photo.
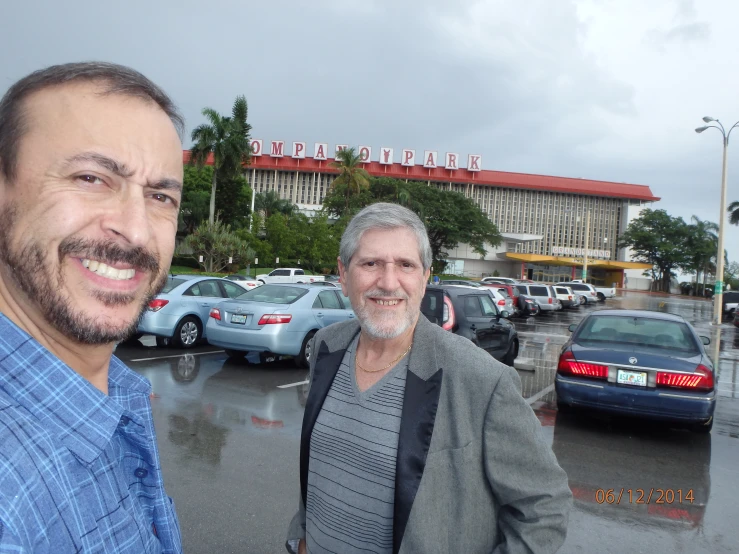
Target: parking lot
(229, 436)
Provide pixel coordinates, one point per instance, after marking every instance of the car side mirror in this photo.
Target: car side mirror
(706, 341)
(572, 327)
(505, 314)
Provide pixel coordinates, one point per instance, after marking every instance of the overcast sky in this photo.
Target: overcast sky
(603, 89)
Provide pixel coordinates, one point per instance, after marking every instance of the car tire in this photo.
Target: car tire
(164, 342)
(235, 354)
(512, 353)
(582, 300)
(306, 351)
(187, 333)
(260, 281)
(601, 297)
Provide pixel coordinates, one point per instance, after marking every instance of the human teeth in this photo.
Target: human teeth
(387, 302)
(109, 272)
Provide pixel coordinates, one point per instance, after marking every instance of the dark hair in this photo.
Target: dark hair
(117, 78)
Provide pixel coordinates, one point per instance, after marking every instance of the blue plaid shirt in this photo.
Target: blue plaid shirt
(79, 470)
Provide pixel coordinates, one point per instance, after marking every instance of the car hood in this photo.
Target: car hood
(622, 355)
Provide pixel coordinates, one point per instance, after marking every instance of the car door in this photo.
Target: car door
(498, 331)
(210, 295)
(328, 308)
(479, 325)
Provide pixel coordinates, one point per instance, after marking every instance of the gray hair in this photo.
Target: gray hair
(117, 78)
(383, 215)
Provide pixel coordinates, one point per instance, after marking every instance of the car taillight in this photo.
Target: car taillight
(701, 379)
(568, 365)
(569, 298)
(157, 304)
(271, 319)
(215, 313)
(448, 318)
(550, 300)
(501, 302)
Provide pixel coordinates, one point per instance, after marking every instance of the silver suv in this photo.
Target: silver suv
(543, 294)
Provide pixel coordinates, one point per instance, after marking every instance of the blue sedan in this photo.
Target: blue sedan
(638, 363)
(178, 314)
(276, 319)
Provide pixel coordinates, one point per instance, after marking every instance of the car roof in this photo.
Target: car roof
(640, 313)
(189, 277)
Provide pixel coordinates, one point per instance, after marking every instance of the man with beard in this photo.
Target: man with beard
(90, 185)
(413, 439)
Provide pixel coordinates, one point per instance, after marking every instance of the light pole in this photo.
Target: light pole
(718, 293)
(587, 241)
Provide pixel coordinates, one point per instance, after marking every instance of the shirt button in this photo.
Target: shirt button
(141, 473)
(123, 421)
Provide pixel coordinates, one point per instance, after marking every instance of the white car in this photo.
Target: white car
(602, 292)
(585, 289)
(246, 282)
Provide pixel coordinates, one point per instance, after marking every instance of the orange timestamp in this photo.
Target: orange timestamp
(644, 496)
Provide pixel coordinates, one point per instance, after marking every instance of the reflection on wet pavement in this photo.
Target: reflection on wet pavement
(229, 440)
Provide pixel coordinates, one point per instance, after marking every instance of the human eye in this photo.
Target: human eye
(90, 179)
(370, 265)
(164, 198)
(408, 267)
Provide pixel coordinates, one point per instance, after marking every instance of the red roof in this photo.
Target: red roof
(484, 177)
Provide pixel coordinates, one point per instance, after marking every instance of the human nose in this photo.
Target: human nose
(388, 279)
(129, 219)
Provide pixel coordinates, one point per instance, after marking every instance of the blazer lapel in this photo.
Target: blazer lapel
(327, 365)
(420, 403)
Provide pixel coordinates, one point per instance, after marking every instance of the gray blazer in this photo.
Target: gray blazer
(474, 473)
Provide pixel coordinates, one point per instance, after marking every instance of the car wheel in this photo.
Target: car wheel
(511, 354)
(187, 333)
(164, 342)
(601, 297)
(702, 428)
(306, 351)
(235, 354)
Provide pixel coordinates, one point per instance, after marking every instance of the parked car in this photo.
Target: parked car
(332, 278)
(730, 302)
(502, 280)
(567, 296)
(528, 305)
(247, 282)
(461, 282)
(638, 363)
(586, 289)
(511, 300)
(502, 299)
(287, 276)
(543, 294)
(602, 292)
(276, 320)
(177, 316)
(472, 314)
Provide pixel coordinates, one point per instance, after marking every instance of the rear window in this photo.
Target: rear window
(561, 290)
(274, 294)
(504, 293)
(171, 283)
(639, 331)
(432, 306)
(578, 286)
(539, 291)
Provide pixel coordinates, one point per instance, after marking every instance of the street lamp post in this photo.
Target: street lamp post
(585, 253)
(718, 293)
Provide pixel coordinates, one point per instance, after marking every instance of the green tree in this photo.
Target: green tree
(352, 176)
(450, 217)
(702, 244)
(233, 202)
(733, 210)
(269, 203)
(227, 140)
(658, 239)
(195, 198)
(216, 243)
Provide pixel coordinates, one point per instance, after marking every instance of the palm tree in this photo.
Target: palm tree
(704, 243)
(270, 202)
(733, 210)
(227, 139)
(351, 173)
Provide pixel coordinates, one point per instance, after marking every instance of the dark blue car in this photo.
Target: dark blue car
(638, 363)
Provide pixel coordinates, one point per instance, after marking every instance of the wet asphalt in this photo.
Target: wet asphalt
(229, 435)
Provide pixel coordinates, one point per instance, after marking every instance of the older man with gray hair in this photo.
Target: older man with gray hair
(415, 441)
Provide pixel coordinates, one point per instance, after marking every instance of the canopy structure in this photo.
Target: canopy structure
(575, 262)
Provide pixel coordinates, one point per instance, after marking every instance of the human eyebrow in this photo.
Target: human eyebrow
(166, 184)
(117, 168)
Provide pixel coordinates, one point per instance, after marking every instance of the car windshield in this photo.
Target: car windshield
(171, 283)
(639, 331)
(274, 294)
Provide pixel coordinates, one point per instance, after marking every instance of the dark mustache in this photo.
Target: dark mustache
(110, 253)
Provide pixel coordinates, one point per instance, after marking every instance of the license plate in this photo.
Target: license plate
(635, 378)
(241, 319)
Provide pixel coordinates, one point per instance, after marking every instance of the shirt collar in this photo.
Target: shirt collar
(68, 406)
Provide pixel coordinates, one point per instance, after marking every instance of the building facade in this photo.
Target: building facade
(546, 221)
